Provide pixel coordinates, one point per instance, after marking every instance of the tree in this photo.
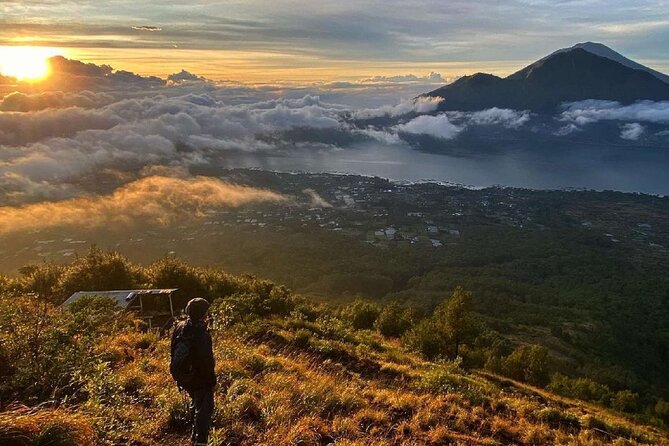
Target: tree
(453, 318)
(662, 410)
(171, 272)
(41, 280)
(529, 363)
(426, 339)
(361, 314)
(626, 401)
(394, 320)
(96, 271)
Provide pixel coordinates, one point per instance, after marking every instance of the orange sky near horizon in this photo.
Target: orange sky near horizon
(267, 67)
(258, 67)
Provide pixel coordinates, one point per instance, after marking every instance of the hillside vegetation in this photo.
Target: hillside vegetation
(291, 371)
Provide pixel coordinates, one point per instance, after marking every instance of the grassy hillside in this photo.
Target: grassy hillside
(577, 272)
(290, 372)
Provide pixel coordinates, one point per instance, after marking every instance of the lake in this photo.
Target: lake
(624, 169)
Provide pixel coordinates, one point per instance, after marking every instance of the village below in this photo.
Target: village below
(370, 210)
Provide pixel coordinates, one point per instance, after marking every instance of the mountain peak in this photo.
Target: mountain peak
(587, 70)
(601, 50)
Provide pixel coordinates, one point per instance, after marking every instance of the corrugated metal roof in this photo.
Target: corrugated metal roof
(123, 298)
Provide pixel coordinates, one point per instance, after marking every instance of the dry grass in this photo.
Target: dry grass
(276, 392)
(21, 426)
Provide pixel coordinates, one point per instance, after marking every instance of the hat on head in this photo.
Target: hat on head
(197, 308)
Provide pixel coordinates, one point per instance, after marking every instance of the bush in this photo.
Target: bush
(662, 410)
(580, 388)
(595, 423)
(93, 315)
(441, 378)
(39, 350)
(243, 401)
(425, 339)
(42, 280)
(361, 314)
(626, 401)
(529, 363)
(394, 320)
(97, 271)
(557, 418)
(171, 272)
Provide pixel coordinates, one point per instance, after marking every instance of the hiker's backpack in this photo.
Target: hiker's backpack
(181, 362)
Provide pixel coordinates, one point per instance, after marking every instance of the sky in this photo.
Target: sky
(290, 40)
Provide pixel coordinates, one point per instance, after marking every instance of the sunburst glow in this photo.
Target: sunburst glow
(26, 63)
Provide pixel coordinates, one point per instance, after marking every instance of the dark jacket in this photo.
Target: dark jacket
(201, 352)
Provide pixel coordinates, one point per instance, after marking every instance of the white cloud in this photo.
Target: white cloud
(22, 102)
(61, 138)
(437, 126)
(586, 112)
(432, 77)
(57, 146)
(448, 125)
(22, 128)
(500, 116)
(567, 129)
(422, 104)
(147, 28)
(383, 136)
(511, 119)
(632, 131)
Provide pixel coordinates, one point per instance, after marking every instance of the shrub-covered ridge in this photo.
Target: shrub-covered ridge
(290, 372)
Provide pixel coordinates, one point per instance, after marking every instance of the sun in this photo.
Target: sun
(26, 63)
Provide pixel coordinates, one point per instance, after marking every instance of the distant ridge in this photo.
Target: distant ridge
(568, 75)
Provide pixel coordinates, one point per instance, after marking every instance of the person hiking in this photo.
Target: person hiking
(192, 366)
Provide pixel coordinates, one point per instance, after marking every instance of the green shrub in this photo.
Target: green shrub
(626, 401)
(257, 364)
(243, 401)
(394, 320)
(55, 435)
(425, 339)
(95, 315)
(178, 414)
(454, 321)
(529, 363)
(171, 272)
(441, 378)
(361, 314)
(42, 280)
(39, 349)
(580, 388)
(98, 270)
(661, 409)
(557, 418)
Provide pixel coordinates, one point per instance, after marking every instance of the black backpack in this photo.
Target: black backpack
(181, 362)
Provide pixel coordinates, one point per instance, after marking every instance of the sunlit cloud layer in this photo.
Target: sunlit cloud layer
(90, 124)
(153, 200)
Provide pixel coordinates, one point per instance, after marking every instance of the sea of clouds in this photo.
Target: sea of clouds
(90, 120)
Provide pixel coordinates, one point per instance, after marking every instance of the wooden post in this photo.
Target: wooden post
(171, 306)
